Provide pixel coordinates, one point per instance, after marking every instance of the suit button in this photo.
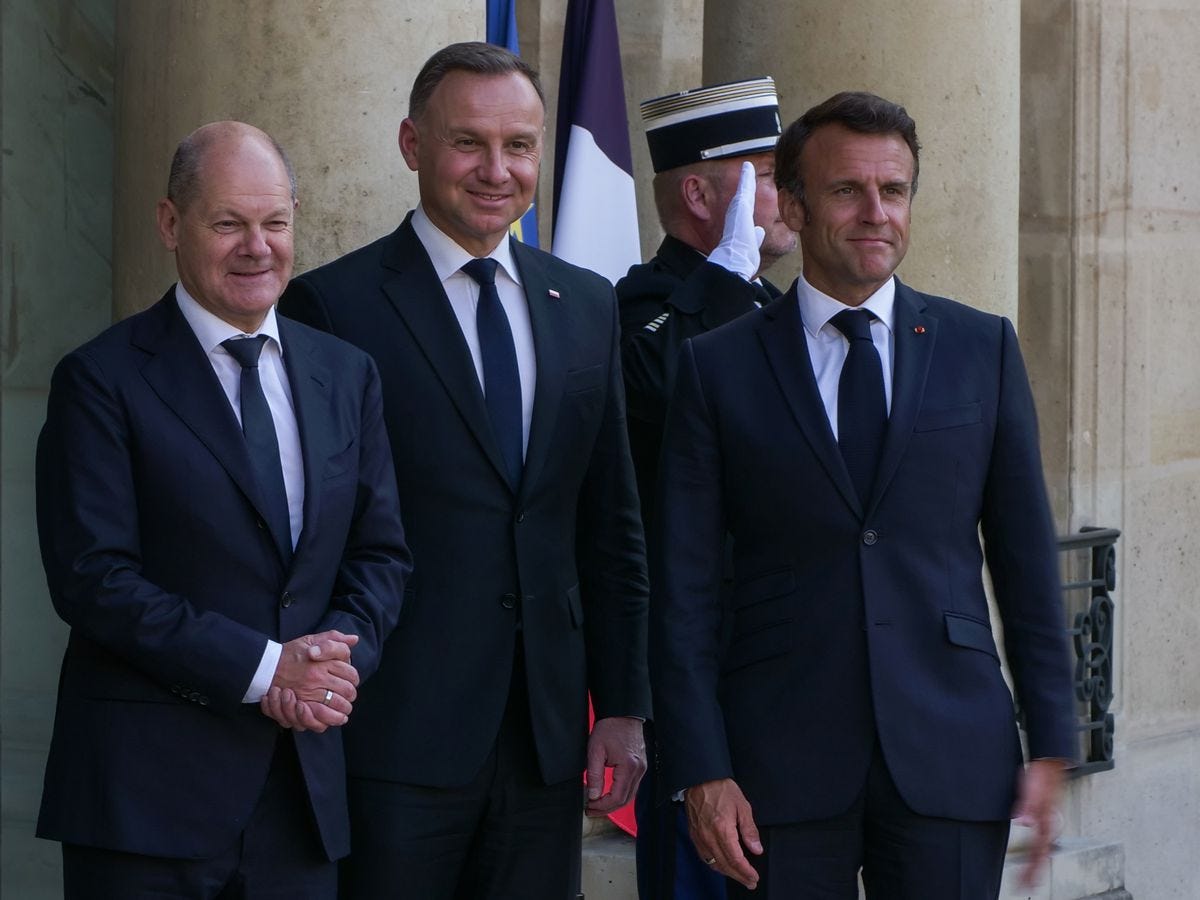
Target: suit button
(870, 537)
(203, 701)
(520, 517)
(286, 600)
(509, 601)
(194, 696)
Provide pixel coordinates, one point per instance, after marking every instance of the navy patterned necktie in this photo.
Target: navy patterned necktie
(862, 407)
(259, 431)
(501, 377)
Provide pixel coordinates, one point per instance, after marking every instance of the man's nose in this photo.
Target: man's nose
(255, 242)
(493, 167)
(872, 211)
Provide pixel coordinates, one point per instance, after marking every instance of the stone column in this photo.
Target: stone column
(329, 81)
(56, 97)
(955, 65)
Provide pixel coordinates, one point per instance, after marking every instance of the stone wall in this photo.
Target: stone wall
(56, 127)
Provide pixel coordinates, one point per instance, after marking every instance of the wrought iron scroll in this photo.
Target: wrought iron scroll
(1090, 567)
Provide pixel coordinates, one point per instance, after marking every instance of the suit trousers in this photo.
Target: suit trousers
(505, 835)
(277, 857)
(902, 855)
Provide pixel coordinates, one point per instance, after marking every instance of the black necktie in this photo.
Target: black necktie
(259, 431)
(501, 378)
(761, 295)
(862, 409)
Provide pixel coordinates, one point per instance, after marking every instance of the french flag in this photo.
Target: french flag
(595, 207)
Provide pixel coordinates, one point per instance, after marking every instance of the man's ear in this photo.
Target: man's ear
(697, 195)
(409, 140)
(168, 223)
(792, 210)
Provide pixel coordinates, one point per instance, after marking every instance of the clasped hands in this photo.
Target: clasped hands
(308, 668)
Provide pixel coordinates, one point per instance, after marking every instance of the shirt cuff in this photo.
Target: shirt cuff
(261, 681)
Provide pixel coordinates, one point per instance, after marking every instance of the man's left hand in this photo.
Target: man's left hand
(1038, 799)
(617, 742)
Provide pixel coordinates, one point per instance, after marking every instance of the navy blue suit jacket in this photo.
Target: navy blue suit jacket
(853, 621)
(157, 556)
(564, 552)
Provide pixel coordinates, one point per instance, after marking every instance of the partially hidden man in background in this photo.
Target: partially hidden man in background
(220, 529)
(856, 437)
(713, 152)
(503, 400)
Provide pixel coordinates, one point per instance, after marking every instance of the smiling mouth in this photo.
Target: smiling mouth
(490, 198)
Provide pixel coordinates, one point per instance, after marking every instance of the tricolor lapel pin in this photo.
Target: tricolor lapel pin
(920, 329)
(553, 293)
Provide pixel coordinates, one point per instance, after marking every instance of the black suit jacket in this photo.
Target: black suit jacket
(157, 556)
(855, 621)
(563, 555)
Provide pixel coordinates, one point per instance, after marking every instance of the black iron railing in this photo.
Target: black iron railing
(1089, 578)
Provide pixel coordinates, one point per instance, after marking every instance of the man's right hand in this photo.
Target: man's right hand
(720, 822)
(738, 250)
(308, 668)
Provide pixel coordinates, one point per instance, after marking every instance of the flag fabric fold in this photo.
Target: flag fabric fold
(595, 206)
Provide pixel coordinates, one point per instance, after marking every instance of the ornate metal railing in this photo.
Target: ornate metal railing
(1089, 578)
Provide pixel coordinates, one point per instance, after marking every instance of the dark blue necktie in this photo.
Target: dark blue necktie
(259, 431)
(862, 408)
(501, 378)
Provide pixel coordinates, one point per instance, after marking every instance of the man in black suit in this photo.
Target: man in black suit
(503, 399)
(856, 438)
(219, 526)
(713, 152)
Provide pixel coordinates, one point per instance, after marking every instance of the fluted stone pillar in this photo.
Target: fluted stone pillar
(329, 81)
(955, 65)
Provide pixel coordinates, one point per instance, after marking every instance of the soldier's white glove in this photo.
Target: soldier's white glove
(738, 250)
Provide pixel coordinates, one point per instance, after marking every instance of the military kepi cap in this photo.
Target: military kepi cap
(733, 119)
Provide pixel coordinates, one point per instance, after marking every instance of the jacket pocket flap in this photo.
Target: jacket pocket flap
(951, 417)
(583, 379)
(968, 632)
(764, 587)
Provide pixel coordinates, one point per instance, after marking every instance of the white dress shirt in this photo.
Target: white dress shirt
(827, 347)
(210, 331)
(448, 258)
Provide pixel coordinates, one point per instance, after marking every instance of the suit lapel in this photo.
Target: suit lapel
(180, 373)
(782, 335)
(417, 296)
(914, 338)
(310, 383)
(547, 316)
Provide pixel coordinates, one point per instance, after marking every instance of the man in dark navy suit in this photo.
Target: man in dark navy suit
(856, 437)
(503, 399)
(220, 529)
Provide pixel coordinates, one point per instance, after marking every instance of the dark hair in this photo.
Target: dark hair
(471, 56)
(189, 155)
(857, 110)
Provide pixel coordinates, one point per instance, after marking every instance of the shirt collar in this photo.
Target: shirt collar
(448, 257)
(816, 308)
(211, 330)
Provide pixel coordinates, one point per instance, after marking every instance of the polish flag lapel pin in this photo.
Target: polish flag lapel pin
(555, 295)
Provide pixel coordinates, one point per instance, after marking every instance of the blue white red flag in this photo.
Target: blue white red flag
(595, 206)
